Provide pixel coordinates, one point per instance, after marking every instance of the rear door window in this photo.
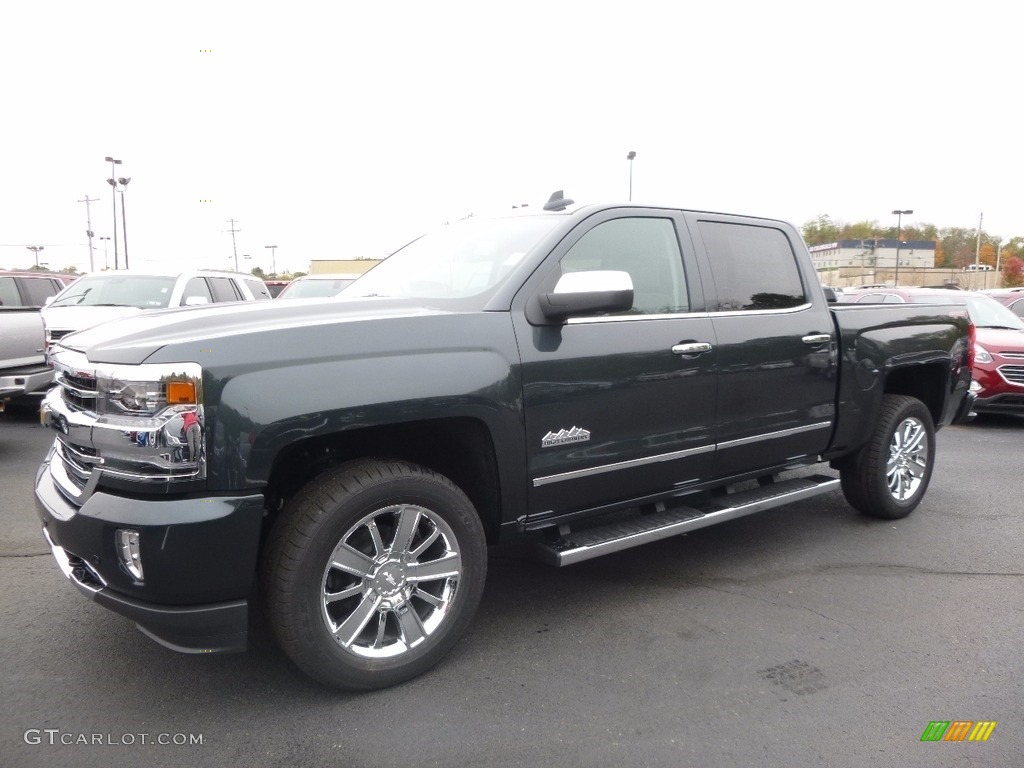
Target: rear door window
(754, 267)
(9, 296)
(39, 289)
(258, 288)
(224, 289)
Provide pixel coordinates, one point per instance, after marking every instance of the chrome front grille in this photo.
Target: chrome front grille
(1012, 374)
(78, 388)
(1012, 355)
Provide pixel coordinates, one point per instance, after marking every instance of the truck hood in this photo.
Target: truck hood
(76, 318)
(129, 341)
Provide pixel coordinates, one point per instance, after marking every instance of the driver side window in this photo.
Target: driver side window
(648, 250)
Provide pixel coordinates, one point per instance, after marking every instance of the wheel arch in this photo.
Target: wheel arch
(929, 383)
(460, 448)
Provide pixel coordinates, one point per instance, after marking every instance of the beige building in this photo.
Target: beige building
(335, 266)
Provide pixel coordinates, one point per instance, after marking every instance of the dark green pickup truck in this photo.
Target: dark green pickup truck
(584, 379)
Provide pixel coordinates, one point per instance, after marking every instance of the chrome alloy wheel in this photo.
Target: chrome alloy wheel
(908, 459)
(390, 582)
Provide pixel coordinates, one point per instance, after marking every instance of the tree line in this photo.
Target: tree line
(955, 247)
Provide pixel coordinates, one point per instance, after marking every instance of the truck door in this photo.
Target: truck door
(622, 405)
(774, 331)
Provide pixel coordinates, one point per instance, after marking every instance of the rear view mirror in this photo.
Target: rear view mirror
(196, 301)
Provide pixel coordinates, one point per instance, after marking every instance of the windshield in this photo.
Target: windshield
(985, 312)
(313, 288)
(142, 291)
(468, 258)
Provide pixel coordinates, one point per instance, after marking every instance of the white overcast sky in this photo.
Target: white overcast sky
(342, 130)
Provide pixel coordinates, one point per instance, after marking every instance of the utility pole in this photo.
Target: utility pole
(88, 223)
(234, 247)
(977, 247)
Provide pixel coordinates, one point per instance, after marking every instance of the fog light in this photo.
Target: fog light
(128, 551)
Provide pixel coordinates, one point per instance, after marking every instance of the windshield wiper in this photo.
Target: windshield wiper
(68, 298)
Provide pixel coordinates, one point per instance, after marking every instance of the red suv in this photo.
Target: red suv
(1009, 297)
(998, 378)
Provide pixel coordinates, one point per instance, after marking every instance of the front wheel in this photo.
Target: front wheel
(889, 475)
(373, 573)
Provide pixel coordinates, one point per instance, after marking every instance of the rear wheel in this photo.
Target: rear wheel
(373, 573)
(889, 475)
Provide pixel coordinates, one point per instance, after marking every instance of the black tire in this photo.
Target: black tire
(373, 572)
(889, 475)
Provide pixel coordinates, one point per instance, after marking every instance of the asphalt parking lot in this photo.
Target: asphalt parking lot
(804, 636)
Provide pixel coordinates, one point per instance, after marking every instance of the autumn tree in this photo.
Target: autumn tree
(820, 231)
(1013, 272)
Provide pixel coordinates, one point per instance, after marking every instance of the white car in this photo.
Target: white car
(102, 296)
(317, 286)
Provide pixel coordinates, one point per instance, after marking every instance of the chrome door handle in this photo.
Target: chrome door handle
(693, 348)
(818, 338)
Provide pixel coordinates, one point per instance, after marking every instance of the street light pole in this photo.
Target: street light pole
(273, 262)
(124, 226)
(629, 156)
(113, 199)
(899, 227)
(35, 251)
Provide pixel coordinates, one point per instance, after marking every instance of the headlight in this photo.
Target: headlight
(981, 354)
(146, 397)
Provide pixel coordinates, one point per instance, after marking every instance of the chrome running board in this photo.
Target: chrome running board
(586, 543)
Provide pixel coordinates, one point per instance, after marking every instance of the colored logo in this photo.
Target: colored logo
(958, 730)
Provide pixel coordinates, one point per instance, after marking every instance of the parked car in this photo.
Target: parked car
(23, 369)
(31, 289)
(102, 296)
(998, 376)
(1009, 297)
(276, 286)
(318, 286)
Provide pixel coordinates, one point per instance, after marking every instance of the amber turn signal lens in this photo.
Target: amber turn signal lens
(181, 393)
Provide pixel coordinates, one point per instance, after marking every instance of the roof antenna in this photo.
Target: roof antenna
(557, 202)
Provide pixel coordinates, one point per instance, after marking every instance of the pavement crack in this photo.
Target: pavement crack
(4, 555)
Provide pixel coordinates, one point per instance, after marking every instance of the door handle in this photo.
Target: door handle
(692, 348)
(818, 338)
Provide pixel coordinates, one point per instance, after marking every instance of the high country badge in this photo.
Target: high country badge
(564, 437)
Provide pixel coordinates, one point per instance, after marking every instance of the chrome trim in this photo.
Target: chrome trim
(753, 312)
(625, 318)
(775, 435)
(662, 457)
(68, 568)
(96, 433)
(547, 480)
(1005, 371)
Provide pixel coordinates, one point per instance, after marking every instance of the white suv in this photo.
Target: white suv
(101, 296)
